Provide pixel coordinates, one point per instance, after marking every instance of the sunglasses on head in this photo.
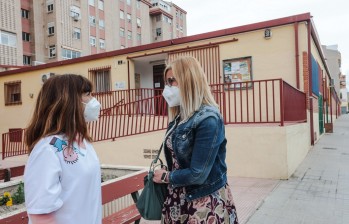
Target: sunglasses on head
(170, 80)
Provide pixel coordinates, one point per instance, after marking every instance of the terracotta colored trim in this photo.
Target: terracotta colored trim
(147, 3)
(179, 8)
(318, 46)
(14, 66)
(166, 43)
(157, 11)
(185, 48)
(297, 53)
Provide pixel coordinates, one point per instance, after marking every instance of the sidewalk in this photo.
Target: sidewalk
(318, 192)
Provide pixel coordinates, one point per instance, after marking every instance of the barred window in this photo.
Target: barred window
(100, 78)
(12, 93)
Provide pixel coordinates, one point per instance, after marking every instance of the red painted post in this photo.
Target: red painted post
(281, 103)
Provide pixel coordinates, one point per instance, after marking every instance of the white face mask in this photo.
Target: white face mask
(92, 109)
(172, 95)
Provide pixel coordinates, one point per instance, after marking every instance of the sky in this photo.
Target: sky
(331, 18)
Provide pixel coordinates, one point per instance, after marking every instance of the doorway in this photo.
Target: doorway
(160, 107)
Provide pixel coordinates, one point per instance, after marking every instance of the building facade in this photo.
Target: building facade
(343, 94)
(270, 79)
(44, 31)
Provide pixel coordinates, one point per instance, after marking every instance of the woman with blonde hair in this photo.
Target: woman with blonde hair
(62, 178)
(195, 150)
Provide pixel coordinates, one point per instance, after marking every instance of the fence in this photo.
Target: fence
(13, 143)
(141, 116)
(126, 113)
(260, 101)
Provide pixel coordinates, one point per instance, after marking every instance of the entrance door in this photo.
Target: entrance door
(160, 107)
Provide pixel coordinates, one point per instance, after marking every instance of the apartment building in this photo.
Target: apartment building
(343, 94)
(54, 30)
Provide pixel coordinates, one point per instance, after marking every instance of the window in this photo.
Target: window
(100, 4)
(101, 43)
(52, 51)
(128, 17)
(91, 2)
(101, 23)
(138, 4)
(12, 93)
(8, 39)
(129, 35)
(158, 18)
(138, 22)
(92, 41)
(51, 28)
(50, 7)
(26, 60)
(128, 2)
(77, 33)
(92, 20)
(70, 54)
(101, 80)
(122, 32)
(139, 37)
(25, 13)
(75, 12)
(122, 14)
(158, 32)
(168, 20)
(25, 36)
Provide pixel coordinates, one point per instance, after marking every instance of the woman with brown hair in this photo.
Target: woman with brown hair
(62, 178)
(195, 150)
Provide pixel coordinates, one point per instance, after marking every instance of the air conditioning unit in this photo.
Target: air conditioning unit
(76, 17)
(37, 63)
(155, 38)
(46, 76)
(138, 25)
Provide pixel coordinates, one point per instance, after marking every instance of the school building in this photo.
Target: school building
(270, 79)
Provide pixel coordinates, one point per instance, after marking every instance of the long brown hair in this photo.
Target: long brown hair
(193, 87)
(59, 110)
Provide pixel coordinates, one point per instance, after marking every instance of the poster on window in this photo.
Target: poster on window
(237, 72)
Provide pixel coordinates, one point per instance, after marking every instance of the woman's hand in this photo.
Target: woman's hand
(161, 176)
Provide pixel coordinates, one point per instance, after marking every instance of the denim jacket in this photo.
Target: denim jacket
(200, 147)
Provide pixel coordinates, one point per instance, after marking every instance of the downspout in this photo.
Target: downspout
(297, 53)
(310, 85)
(128, 84)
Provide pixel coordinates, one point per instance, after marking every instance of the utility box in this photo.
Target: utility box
(329, 127)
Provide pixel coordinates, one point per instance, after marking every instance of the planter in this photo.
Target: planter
(110, 174)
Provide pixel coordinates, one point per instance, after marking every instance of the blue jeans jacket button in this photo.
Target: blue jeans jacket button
(183, 136)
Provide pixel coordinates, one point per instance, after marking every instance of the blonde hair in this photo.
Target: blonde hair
(193, 86)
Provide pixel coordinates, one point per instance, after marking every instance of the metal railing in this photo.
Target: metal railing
(260, 101)
(141, 116)
(13, 144)
(126, 113)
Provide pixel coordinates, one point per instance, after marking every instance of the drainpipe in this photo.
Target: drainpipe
(297, 53)
(129, 85)
(310, 85)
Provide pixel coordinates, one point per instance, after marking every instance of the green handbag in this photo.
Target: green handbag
(152, 198)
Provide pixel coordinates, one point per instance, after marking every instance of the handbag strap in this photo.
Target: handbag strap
(163, 143)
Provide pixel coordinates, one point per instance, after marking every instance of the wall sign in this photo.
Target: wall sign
(237, 72)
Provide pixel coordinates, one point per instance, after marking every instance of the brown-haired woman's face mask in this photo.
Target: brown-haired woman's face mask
(92, 109)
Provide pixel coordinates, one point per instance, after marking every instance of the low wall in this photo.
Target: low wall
(267, 151)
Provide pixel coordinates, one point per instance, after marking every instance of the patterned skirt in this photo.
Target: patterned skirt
(217, 207)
